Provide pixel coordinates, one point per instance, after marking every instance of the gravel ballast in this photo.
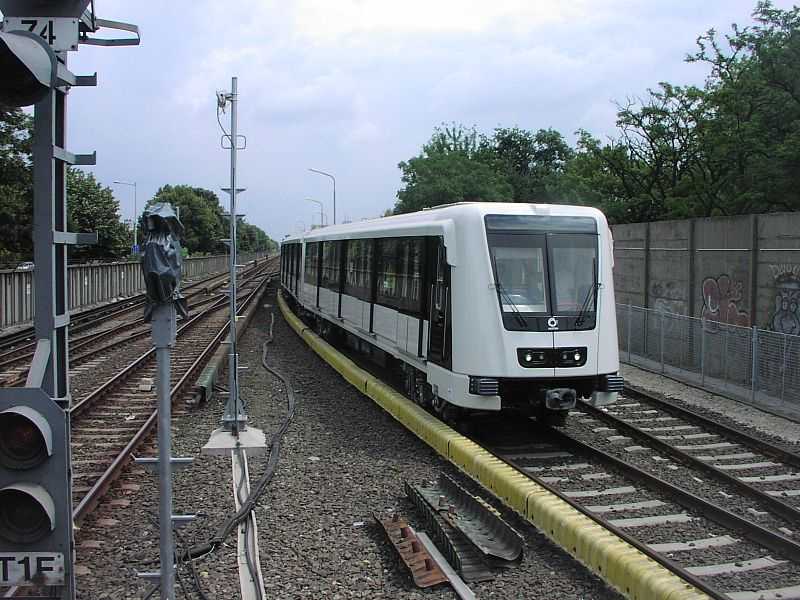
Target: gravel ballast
(342, 459)
(729, 411)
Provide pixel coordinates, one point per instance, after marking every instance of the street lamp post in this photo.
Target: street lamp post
(321, 221)
(135, 211)
(333, 179)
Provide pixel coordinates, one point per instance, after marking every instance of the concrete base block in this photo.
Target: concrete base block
(222, 442)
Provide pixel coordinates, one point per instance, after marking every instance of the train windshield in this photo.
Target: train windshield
(543, 270)
(520, 276)
(574, 263)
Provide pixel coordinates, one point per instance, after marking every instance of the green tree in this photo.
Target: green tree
(252, 239)
(16, 191)
(754, 93)
(205, 223)
(92, 207)
(532, 162)
(452, 167)
(201, 215)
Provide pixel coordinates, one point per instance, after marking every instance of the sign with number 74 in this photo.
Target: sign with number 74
(60, 32)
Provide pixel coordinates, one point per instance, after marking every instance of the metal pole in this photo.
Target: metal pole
(725, 354)
(702, 352)
(233, 359)
(51, 295)
(136, 218)
(661, 340)
(754, 373)
(321, 221)
(164, 323)
(630, 324)
(783, 371)
(333, 179)
(165, 477)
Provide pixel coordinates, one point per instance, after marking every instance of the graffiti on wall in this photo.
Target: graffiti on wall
(722, 299)
(668, 296)
(786, 317)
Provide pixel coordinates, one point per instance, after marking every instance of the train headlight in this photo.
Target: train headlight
(577, 357)
(528, 357)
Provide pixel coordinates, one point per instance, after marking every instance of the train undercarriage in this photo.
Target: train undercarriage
(547, 400)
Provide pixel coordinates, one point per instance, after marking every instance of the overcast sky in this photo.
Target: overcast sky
(355, 86)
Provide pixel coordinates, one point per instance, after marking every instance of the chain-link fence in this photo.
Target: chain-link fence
(746, 363)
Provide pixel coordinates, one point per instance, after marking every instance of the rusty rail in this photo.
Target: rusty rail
(101, 486)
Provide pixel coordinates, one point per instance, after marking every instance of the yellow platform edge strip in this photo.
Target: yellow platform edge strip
(624, 567)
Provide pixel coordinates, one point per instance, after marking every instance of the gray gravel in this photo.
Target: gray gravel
(342, 459)
(730, 410)
(687, 478)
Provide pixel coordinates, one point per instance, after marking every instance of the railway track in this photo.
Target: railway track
(683, 489)
(105, 327)
(714, 505)
(113, 417)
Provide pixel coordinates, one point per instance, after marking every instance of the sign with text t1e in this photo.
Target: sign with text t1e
(35, 490)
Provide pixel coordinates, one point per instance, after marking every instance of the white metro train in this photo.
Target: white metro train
(476, 306)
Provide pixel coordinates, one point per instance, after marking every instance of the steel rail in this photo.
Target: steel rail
(766, 538)
(78, 408)
(101, 485)
(776, 505)
(728, 431)
(76, 360)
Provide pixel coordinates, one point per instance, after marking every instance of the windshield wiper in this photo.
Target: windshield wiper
(515, 310)
(590, 295)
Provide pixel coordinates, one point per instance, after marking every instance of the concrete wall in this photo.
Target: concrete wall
(742, 270)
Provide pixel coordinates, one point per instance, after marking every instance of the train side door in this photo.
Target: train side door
(439, 313)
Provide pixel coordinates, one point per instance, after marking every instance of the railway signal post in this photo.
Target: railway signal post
(234, 432)
(36, 539)
(162, 267)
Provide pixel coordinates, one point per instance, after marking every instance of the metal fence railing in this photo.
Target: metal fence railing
(746, 363)
(90, 284)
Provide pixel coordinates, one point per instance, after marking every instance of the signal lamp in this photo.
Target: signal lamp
(25, 438)
(28, 67)
(27, 513)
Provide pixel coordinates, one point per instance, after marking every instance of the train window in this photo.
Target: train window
(331, 260)
(520, 272)
(358, 275)
(573, 260)
(311, 263)
(400, 273)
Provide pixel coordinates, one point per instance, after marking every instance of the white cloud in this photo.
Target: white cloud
(322, 20)
(354, 86)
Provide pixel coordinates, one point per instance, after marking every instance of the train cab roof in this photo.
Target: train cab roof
(441, 220)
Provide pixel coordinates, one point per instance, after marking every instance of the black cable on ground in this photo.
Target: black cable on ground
(249, 505)
(179, 560)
